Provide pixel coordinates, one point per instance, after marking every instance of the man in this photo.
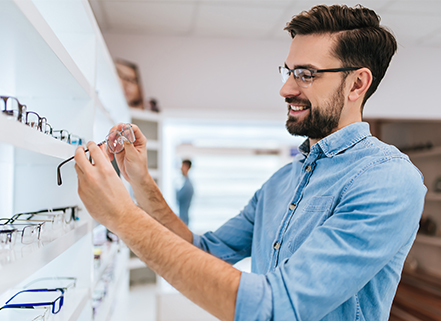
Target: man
(327, 234)
(184, 194)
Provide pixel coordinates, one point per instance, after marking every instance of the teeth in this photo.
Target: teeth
(298, 108)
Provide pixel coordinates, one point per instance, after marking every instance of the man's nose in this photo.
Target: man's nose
(290, 87)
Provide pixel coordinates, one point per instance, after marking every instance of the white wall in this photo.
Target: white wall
(240, 77)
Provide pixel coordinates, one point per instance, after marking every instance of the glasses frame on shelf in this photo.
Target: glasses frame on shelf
(34, 305)
(21, 108)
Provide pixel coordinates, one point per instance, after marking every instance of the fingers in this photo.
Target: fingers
(97, 153)
(105, 151)
(140, 138)
(81, 160)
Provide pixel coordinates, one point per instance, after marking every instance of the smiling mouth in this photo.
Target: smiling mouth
(298, 108)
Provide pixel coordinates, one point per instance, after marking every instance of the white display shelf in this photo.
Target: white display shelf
(120, 280)
(154, 173)
(153, 144)
(30, 139)
(25, 262)
(109, 251)
(55, 61)
(135, 263)
(145, 114)
(70, 21)
(102, 108)
(74, 302)
(49, 70)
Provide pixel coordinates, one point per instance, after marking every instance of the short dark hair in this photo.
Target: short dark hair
(187, 162)
(360, 41)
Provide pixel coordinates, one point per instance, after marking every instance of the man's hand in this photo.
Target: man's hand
(100, 188)
(132, 161)
(203, 278)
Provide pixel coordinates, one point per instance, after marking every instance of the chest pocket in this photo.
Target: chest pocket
(308, 217)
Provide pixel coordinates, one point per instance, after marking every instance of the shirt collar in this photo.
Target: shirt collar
(340, 140)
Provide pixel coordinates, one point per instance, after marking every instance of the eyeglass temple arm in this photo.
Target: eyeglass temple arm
(68, 160)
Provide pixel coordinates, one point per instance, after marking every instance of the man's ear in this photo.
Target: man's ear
(361, 81)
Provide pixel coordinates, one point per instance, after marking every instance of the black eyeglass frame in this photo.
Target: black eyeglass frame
(21, 108)
(129, 126)
(42, 121)
(313, 71)
(70, 217)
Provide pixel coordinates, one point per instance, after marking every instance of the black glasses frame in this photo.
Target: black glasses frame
(106, 141)
(21, 108)
(312, 71)
(67, 219)
(42, 121)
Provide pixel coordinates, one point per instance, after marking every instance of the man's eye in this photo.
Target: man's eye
(304, 75)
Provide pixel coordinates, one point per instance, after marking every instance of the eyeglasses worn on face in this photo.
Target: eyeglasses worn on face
(304, 76)
(114, 141)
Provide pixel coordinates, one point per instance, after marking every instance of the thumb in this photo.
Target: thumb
(129, 148)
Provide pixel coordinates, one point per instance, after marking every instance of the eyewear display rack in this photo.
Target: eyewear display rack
(150, 124)
(55, 61)
(419, 293)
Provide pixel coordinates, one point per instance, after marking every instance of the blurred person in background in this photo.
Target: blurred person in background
(185, 193)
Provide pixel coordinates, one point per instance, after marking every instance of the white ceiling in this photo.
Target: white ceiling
(414, 22)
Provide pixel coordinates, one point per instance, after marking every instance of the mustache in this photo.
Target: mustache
(296, 100)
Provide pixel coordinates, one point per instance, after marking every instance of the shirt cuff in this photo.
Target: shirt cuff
(197, 240)
(254, 298)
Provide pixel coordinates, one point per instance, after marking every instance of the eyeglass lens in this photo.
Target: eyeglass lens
(115, 139)
(302, 76)
(7, 238)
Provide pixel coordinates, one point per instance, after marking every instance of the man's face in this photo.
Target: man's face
(315, 111)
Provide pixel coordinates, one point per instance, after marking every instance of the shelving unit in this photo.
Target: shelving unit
(150, 123)
(55, 61)
(421, 141)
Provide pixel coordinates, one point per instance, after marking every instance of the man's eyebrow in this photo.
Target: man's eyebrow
(307, 66)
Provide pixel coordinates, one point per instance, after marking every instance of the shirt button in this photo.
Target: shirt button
(276, 245)
(308, 168)
(292, 207)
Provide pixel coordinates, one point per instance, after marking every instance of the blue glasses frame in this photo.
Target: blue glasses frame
(56, 304)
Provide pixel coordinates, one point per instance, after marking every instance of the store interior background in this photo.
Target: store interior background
(212, 66)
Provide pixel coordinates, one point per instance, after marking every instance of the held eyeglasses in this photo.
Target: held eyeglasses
(114, 141)
(304, 76)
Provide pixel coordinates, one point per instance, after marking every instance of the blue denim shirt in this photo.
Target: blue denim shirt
(328, 234)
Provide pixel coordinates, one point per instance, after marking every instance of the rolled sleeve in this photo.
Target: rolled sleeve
(254, 298)
(197, 240)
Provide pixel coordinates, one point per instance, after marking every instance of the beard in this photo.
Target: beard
(321, 121)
